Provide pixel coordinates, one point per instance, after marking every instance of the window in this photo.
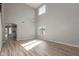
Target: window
(42, 10)
(10, 30)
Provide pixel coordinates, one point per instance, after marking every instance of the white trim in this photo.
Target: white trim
(18, 39)
(65, 43)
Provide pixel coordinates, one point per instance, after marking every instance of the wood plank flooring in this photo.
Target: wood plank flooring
(37, 48)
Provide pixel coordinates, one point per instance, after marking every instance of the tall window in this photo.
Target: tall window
(42, 10)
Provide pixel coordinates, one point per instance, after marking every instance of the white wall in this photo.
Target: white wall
(0, 32)
(62, 23)
(3, 24)
(19, 13)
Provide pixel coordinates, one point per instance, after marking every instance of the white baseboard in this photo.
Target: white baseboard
(68, 44)
(24, 39)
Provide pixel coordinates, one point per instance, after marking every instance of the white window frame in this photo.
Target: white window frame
(42, 10)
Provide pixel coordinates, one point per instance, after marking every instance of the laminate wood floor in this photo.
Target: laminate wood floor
(37, 48)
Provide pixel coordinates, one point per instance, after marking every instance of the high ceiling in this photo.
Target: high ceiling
(34, 5)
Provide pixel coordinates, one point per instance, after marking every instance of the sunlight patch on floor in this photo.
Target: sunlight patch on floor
(31, 44)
